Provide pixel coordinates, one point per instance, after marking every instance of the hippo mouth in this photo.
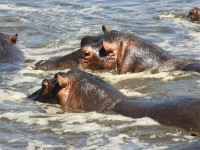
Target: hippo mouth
(93, 58)
(108, 58)
(36, 95)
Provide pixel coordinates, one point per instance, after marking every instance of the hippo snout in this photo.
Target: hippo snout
(39, 63)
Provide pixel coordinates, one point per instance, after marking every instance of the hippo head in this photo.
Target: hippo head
(90, 40)
(194, 14)
(70, 60)
(46, 93)
(9, 53)
(101, 55)
(91, 51)
(78, 90)
(7, 43)
(9, 39)
(95, 58)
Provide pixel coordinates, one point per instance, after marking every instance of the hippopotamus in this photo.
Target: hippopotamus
(10, 56)
(95, 53)
(194, 14)
(128, 53)
(70, 60)
(78, 90)
(121, 52)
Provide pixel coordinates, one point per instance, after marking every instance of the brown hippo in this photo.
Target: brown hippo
(194, 14)
(127, 53)
(124, 53)
(78, 90)
(10, 56)
(121, 52)
(70, 60)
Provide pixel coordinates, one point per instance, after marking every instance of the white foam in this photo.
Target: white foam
(25, 117)
(164, 76)
(10, 95)
(12, 7)
(36, 144)
(168, 16)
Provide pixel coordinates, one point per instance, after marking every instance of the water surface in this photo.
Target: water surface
(54, 28)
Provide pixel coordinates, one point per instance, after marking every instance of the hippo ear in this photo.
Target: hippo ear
(13, 38)
(106, 45)
(61, 81)
(105, 28)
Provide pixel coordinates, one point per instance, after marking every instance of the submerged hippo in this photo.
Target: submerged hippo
(70, 60)
(124, 53)
(128, 53)
(10, 55)
(78, 90)
(194, 14)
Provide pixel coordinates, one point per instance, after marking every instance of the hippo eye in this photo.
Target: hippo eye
(87, 54)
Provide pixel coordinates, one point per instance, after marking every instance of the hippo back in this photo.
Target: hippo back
(93, 93)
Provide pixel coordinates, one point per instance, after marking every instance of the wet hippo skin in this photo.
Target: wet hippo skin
(78, 90)
(60, 63)
(184, 64)
(128, 53)
(194, 14)
(70, 60)
(9, 53)
(125, 52)
(118, 51)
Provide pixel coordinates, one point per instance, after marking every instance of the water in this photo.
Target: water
(54, 28)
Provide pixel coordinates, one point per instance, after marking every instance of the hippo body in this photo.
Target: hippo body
(128, 53)
(10, 56)
(78, 90)
(182, 112)
(121, 52)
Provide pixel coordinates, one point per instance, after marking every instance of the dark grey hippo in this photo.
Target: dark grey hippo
(10, 56)
(78, 90)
